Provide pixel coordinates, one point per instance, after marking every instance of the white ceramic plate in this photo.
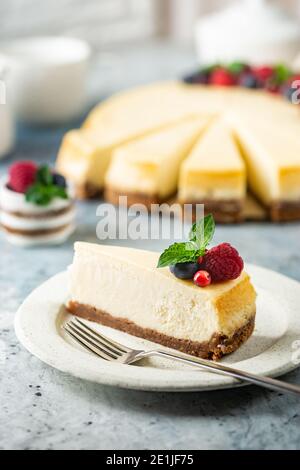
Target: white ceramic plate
(269, 351)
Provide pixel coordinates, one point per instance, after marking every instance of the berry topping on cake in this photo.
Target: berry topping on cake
(59, 180)
(200, 77)
(192, 259)
(273, 79)
(184, 270)
(263, 73)
(223, 262)
(21, 176)
(202, 278)
(222, 77)
(248, 80)
(38, 184)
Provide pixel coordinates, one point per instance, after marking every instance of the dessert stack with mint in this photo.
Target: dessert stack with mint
(36, 206)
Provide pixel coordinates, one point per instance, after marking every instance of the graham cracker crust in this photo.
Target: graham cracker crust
(87, 191)
(230, 211)
(112, 195)
(285, 211)
(214, 349)
(224, 212)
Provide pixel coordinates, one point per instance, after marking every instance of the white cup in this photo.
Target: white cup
(48, 77)
(7, 125)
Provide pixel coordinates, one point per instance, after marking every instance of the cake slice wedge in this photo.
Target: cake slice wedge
(272, 154)
(214, 174)
(147, 169)
(123, 289)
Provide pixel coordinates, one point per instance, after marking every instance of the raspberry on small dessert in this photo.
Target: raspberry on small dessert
(21, 176)
(223, 262)
(222, 77)
(202, 278)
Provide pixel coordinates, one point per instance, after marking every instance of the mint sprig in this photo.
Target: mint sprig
(200, 236)
(202, 232)
(43, 191)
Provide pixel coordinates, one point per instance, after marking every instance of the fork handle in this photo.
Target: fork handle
(219, 368)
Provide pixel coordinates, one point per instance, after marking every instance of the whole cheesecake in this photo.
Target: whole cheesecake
(102, 155)
(122, 288)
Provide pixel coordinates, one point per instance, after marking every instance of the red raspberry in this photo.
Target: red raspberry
(202, 278)
(223, 263)
(222, 77)
(21, 176)
(263, 73)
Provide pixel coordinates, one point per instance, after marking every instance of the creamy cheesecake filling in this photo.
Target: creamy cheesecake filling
(125, 284)
(13, 202)
(212, 191)
(18, 222)
(82, 160)
(52, 237)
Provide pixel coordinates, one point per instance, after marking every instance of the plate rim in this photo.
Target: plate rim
(115, 374)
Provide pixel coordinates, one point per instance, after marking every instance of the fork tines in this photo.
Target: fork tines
(93, 341)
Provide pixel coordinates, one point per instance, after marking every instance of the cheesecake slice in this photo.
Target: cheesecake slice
(214, 174)
(272, 154)
(123, 289)
(147, 169)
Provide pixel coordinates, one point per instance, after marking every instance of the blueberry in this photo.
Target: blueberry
(200, 77)
(59, 180)
(249, 81)
(184, 270)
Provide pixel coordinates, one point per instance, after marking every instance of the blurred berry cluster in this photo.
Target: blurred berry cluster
(278, 79)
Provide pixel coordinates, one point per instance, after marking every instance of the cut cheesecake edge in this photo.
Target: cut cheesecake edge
(122, 288)
(273, 165)
(214, 174)
(148, 168)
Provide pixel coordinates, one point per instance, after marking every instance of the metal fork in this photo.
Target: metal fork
(113, 351)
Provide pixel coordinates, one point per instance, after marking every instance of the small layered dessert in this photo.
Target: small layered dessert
(36, 207)
(200, 301)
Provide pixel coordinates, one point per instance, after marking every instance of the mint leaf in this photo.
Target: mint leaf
(177, 253)
(236, 67)
(42, 195)
(44, 176)
(38, 194)
(202, 232)
(200, 236)
(282, 74)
